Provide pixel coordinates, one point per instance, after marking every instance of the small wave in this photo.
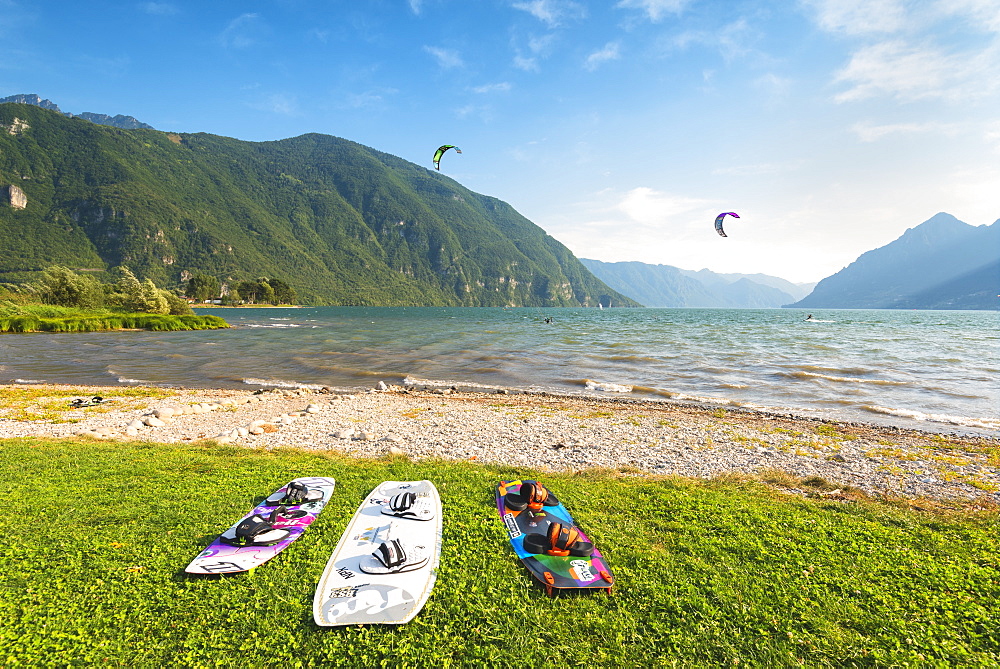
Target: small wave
(607, 387)
(736, 386)
(965, 421)
(844, 379)
(278, 383)
(29, 381)
(702, 399)
(428, 383)
(124, 379)
(271, 325)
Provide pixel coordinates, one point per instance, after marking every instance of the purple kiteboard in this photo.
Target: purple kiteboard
(267, 530)
(547, 541)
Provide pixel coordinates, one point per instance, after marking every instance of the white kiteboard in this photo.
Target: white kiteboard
(385, 564)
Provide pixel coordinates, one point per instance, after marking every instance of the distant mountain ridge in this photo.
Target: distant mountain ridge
(942, 263)
(119, 121)
(668, 286)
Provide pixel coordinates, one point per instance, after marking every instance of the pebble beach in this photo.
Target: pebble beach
(539, 431)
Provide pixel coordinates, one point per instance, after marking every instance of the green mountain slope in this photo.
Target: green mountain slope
(339, 222)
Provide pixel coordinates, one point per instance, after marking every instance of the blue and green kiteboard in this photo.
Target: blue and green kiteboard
(547, 541)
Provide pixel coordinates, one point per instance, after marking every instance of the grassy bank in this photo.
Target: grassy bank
(49, 318)
(97, 535)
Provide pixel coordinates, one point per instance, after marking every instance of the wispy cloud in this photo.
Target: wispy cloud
(900, 70)
(483, 112)
(858, 17)
(912, 50)
(869, 132)
(552, 12)
(991, 133)
(526, 57)
(416, 6)
(985, 14)
(500, 87)
(651, 207)
(775, 89)
(733, 41)
(278, 103)
(242, 32)
(611, 51)
(446, 58)
(655, 9)
(756, 168)
(526, 63)
(370, 98)
(159, 8)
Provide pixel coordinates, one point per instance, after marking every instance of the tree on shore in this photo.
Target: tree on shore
(203, 287)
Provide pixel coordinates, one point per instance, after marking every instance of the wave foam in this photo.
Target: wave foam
(847, 379)
(965, 421)
(278, 383)
(607, 387)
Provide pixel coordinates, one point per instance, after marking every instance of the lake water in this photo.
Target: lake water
(937, 370)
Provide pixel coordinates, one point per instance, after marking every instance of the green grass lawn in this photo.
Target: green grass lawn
(96, 536)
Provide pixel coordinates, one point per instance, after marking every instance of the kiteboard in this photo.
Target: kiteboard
(267, 530)
(549, 544)
(385, 564)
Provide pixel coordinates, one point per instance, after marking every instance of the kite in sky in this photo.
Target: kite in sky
(440, 152)
(718, 222)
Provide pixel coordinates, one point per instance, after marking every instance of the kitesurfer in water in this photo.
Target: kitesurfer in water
(809, 317)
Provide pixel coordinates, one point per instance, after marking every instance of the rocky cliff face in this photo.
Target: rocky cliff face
(119, 121)
(16, 197)
(16, 127)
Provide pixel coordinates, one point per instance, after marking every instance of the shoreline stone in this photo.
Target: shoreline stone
(553, 432)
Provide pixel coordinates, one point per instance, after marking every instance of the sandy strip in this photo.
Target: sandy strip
(541, 431)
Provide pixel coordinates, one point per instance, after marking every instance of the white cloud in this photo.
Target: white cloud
(756, 168)
(526, 63)
(284, 105)
(446, 58)
(552, 12)
(159, 8)
(774, 88)
(868, 132)
(370, 98)
(733, 40)
(856, 17)
(611, 51)
(537, 47)
(483, 112)
(896, 69)
(240, 32)
(416, 6)
(991, 133)
(984, 14)
(655, 9)
(651, 207)
(500, 87)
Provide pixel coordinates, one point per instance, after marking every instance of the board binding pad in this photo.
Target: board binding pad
(553, 571)
(223, 558)
(346, 595)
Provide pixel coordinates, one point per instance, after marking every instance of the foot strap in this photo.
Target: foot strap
(390, 554)
(560, 540)
(297, 493)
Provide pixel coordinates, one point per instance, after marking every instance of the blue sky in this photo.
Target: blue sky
(621, 127)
